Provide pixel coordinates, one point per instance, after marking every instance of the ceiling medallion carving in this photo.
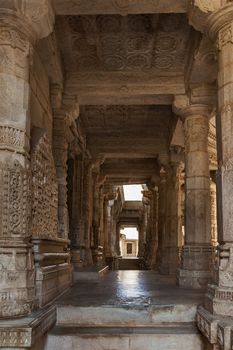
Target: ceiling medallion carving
(149, 43)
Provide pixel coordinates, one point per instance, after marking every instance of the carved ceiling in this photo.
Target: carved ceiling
(125, 61)
(114, 56)
(152, 43)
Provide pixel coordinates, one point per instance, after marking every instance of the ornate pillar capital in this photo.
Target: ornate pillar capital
(199, 11)
(220, 23)
(32, 17)
(184, 108)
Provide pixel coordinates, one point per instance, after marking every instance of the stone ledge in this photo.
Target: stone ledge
(24, 332)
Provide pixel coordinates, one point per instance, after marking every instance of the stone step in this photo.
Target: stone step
(125, 316)
(129, 264)
(90, 274)
(140, 338)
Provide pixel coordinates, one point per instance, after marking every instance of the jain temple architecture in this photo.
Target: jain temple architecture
(97, 96)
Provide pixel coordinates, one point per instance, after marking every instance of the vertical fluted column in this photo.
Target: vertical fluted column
(197, 252)
(18, 31)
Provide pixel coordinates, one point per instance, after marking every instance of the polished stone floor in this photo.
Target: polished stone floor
(127, 288)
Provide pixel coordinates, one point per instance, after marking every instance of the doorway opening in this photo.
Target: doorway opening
(129, 242)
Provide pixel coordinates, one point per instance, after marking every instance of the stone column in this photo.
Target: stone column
(87, 209)
(152, 228)
(19, 27)
(197, 252)
(142, 231)
(220, 294)
(161, 259)
(173, 239)
(60, 151)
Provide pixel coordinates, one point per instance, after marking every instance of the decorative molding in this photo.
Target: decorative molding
(13, 139)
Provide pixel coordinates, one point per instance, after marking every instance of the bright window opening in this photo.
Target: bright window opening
(133, 192)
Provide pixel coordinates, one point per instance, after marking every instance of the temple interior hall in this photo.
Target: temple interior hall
(116, 174)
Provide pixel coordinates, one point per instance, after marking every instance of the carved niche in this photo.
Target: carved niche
(44, 188)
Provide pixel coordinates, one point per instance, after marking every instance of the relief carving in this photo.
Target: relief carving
(44, 190)
(12, 139)
(15, 199)
(135, 42)
(225, 36)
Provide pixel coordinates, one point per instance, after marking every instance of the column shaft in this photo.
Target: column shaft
(197, 252)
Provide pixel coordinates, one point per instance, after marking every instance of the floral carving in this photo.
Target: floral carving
(44, 190)
(114, 43)
(15, 209)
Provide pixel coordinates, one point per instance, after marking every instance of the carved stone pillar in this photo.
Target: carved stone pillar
(152, 228)
(19, 27)
(142, 231)
(87, 209)
(213, 204)
(97, 223)
(161, 259)
(220, 294)
(197, 252)
(173, 239)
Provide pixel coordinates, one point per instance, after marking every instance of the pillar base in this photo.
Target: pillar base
(196, 266)
(219, 300)
(218, 330)
(194, 279)
(27, 332)
(170, 261)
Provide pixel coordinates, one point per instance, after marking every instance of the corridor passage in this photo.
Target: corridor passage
(127, 310)
(130, 288)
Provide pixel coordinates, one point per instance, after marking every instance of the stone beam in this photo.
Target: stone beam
(123, 7)
(107, 100)
(115, 86)
(120, 181)
(134, 167)
(123, 145)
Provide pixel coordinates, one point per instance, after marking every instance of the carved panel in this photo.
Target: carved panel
(12, 138)
(44, 190)
(15, 200)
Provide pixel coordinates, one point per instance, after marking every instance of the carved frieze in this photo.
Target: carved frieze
(44, 190)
